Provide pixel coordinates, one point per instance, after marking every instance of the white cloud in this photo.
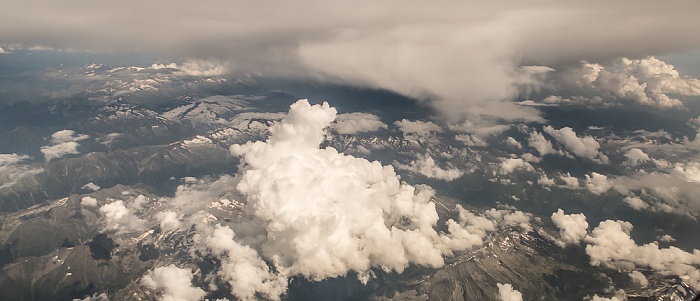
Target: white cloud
(470, 140)
(570, 182)
(91, 186)
(88, 201)
(584, 147)
(636, 156)
(647, 81)
(353, 123)
(673, 189)
(111, 138)
(427, 166)
(60, 150)
(66, 136)
(482, 128)
(509, 165)
(168, 220)
(12, 171)
(418, 127)
(174, 283)
(541, 144)
(667, 238)
(63, 142)
(120, 218)
(317, 213)
(11, 159)
(546, 181)
(507, 293)
(572, 227)
(199, 68)
(514, 143)
(314, 183)
(531, 158)
(202, 68)
(639, 278)
(509, 218)
(690, 171)
(610, 244)
(241, 266)
(635, 203)
(598, 183)
(695, 122)
(2, 50)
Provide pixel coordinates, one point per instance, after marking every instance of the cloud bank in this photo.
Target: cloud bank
(461, 56)
(647, 81)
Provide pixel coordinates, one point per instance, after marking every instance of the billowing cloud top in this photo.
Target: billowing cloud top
(453, 52)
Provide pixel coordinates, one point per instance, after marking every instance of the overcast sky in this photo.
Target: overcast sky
(452, 52)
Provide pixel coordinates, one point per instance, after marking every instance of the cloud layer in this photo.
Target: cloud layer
(453, 53)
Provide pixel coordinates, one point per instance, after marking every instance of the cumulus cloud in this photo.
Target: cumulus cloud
(241, 265)
(470, 140)
(572, 227)
(418, 127)
(583, 147)
(168, 220)
(636, 156)
(314, 183)
(174, 283)
(598, 183)
(91, 186)
(610, 244)
(639, 278)
(570, 182)
(514, 143)
(647, 81)
(63, 142)
(427, 166)
(671, 189)
(546, 181)
(12, 171)
(507, 293)
(635, 203)
(317, 213)
(541, 144)
(353, 123)
(121, 217)
(509, 165)
(88, 201)
(666, 238)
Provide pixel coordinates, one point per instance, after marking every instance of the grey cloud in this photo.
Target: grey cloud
(454, 53)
